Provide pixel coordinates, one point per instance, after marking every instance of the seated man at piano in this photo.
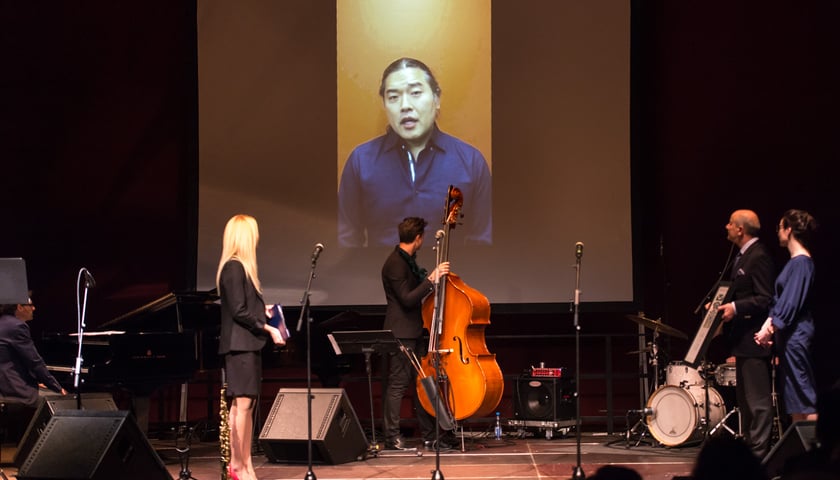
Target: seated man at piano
(24, 377)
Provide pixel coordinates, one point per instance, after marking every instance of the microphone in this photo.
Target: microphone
(579, 250)
(643, 411)
(90, 282)
(319, 247)
(439, 234)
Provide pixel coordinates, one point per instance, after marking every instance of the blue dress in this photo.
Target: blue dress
(794, 325)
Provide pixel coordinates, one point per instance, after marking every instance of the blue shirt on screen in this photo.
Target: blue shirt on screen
(377, 190)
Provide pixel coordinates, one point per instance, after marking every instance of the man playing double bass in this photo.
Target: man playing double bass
(406, 285)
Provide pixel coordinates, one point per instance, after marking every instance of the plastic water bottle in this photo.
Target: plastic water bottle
(498, 432)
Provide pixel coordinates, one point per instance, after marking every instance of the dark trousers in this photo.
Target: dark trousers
(753, 393)
(401, 378)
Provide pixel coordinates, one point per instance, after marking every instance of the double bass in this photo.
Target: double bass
(456, 315)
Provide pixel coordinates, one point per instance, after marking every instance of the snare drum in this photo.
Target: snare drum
(725, 375)
(678, 412)
(681, 375)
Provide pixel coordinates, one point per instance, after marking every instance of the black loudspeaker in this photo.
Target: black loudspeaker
(544, 398)
(798, 439)
(46, 410)
(337, 435)
(92, 445)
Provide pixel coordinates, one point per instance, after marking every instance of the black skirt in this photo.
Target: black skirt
(243, 373)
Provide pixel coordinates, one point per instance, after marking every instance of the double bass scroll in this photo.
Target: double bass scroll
(456, 316)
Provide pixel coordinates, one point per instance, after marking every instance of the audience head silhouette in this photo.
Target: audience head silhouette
(727, 458)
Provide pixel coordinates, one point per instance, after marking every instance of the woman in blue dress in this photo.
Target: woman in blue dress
(790, 323)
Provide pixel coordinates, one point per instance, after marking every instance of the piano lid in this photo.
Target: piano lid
(173, 312)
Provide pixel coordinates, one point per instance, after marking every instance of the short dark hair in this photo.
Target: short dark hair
(410, 227)
(406, 62)
(8, 309)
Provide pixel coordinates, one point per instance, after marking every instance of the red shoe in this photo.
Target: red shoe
(231, 474)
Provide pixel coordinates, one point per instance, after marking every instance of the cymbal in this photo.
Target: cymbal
(656, 325)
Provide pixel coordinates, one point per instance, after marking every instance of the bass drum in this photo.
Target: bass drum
(677, 413)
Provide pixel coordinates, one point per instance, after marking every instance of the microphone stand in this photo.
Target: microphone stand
(577, 471)
(434, 350)
(726, 266)
(80, 330)
(304, 312)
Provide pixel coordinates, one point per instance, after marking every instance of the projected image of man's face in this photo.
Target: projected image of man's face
(411, 105)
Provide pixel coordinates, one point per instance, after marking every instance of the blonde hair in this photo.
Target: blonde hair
(239, 242)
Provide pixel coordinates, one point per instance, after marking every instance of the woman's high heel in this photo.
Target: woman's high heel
(232, 475)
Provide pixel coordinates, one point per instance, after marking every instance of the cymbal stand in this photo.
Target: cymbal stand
(707, 410)
(640, 429)
(776, 431)
(654, 359)
(184, 453)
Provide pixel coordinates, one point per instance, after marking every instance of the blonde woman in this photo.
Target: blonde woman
(244, 332)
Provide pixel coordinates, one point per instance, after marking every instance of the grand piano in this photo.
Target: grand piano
(164, 342)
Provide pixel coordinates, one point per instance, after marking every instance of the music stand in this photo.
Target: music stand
(366, 342)
(13, 285)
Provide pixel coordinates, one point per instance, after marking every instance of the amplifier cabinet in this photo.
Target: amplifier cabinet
(548, 399)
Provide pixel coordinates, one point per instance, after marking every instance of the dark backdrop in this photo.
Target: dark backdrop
(734, 106)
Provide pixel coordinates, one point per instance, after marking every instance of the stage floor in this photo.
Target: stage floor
(528, 457)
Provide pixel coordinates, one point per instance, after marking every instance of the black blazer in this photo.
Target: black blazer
(752, 291)
(243, 311)
(404, 293)
(21, 366)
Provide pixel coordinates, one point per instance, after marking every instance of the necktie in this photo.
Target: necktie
(735, 264)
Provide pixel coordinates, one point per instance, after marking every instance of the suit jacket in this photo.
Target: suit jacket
(752, 291)
(21, 366)
(404, 293)
(243, 311)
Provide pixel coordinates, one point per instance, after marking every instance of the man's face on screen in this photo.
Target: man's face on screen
(411, 105)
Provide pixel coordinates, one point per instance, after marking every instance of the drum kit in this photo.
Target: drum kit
(686, 407)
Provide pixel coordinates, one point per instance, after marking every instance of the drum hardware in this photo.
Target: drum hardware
(640, 430)
(724, 376)
(722, 424)
(649, 356)
(776, 431)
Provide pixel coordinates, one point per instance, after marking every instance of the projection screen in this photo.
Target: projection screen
(541, 87)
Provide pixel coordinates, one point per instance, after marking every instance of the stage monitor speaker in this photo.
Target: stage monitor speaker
(544, 398)
(798, 439)
(337, 435)
(47, 408)
(92, 445)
